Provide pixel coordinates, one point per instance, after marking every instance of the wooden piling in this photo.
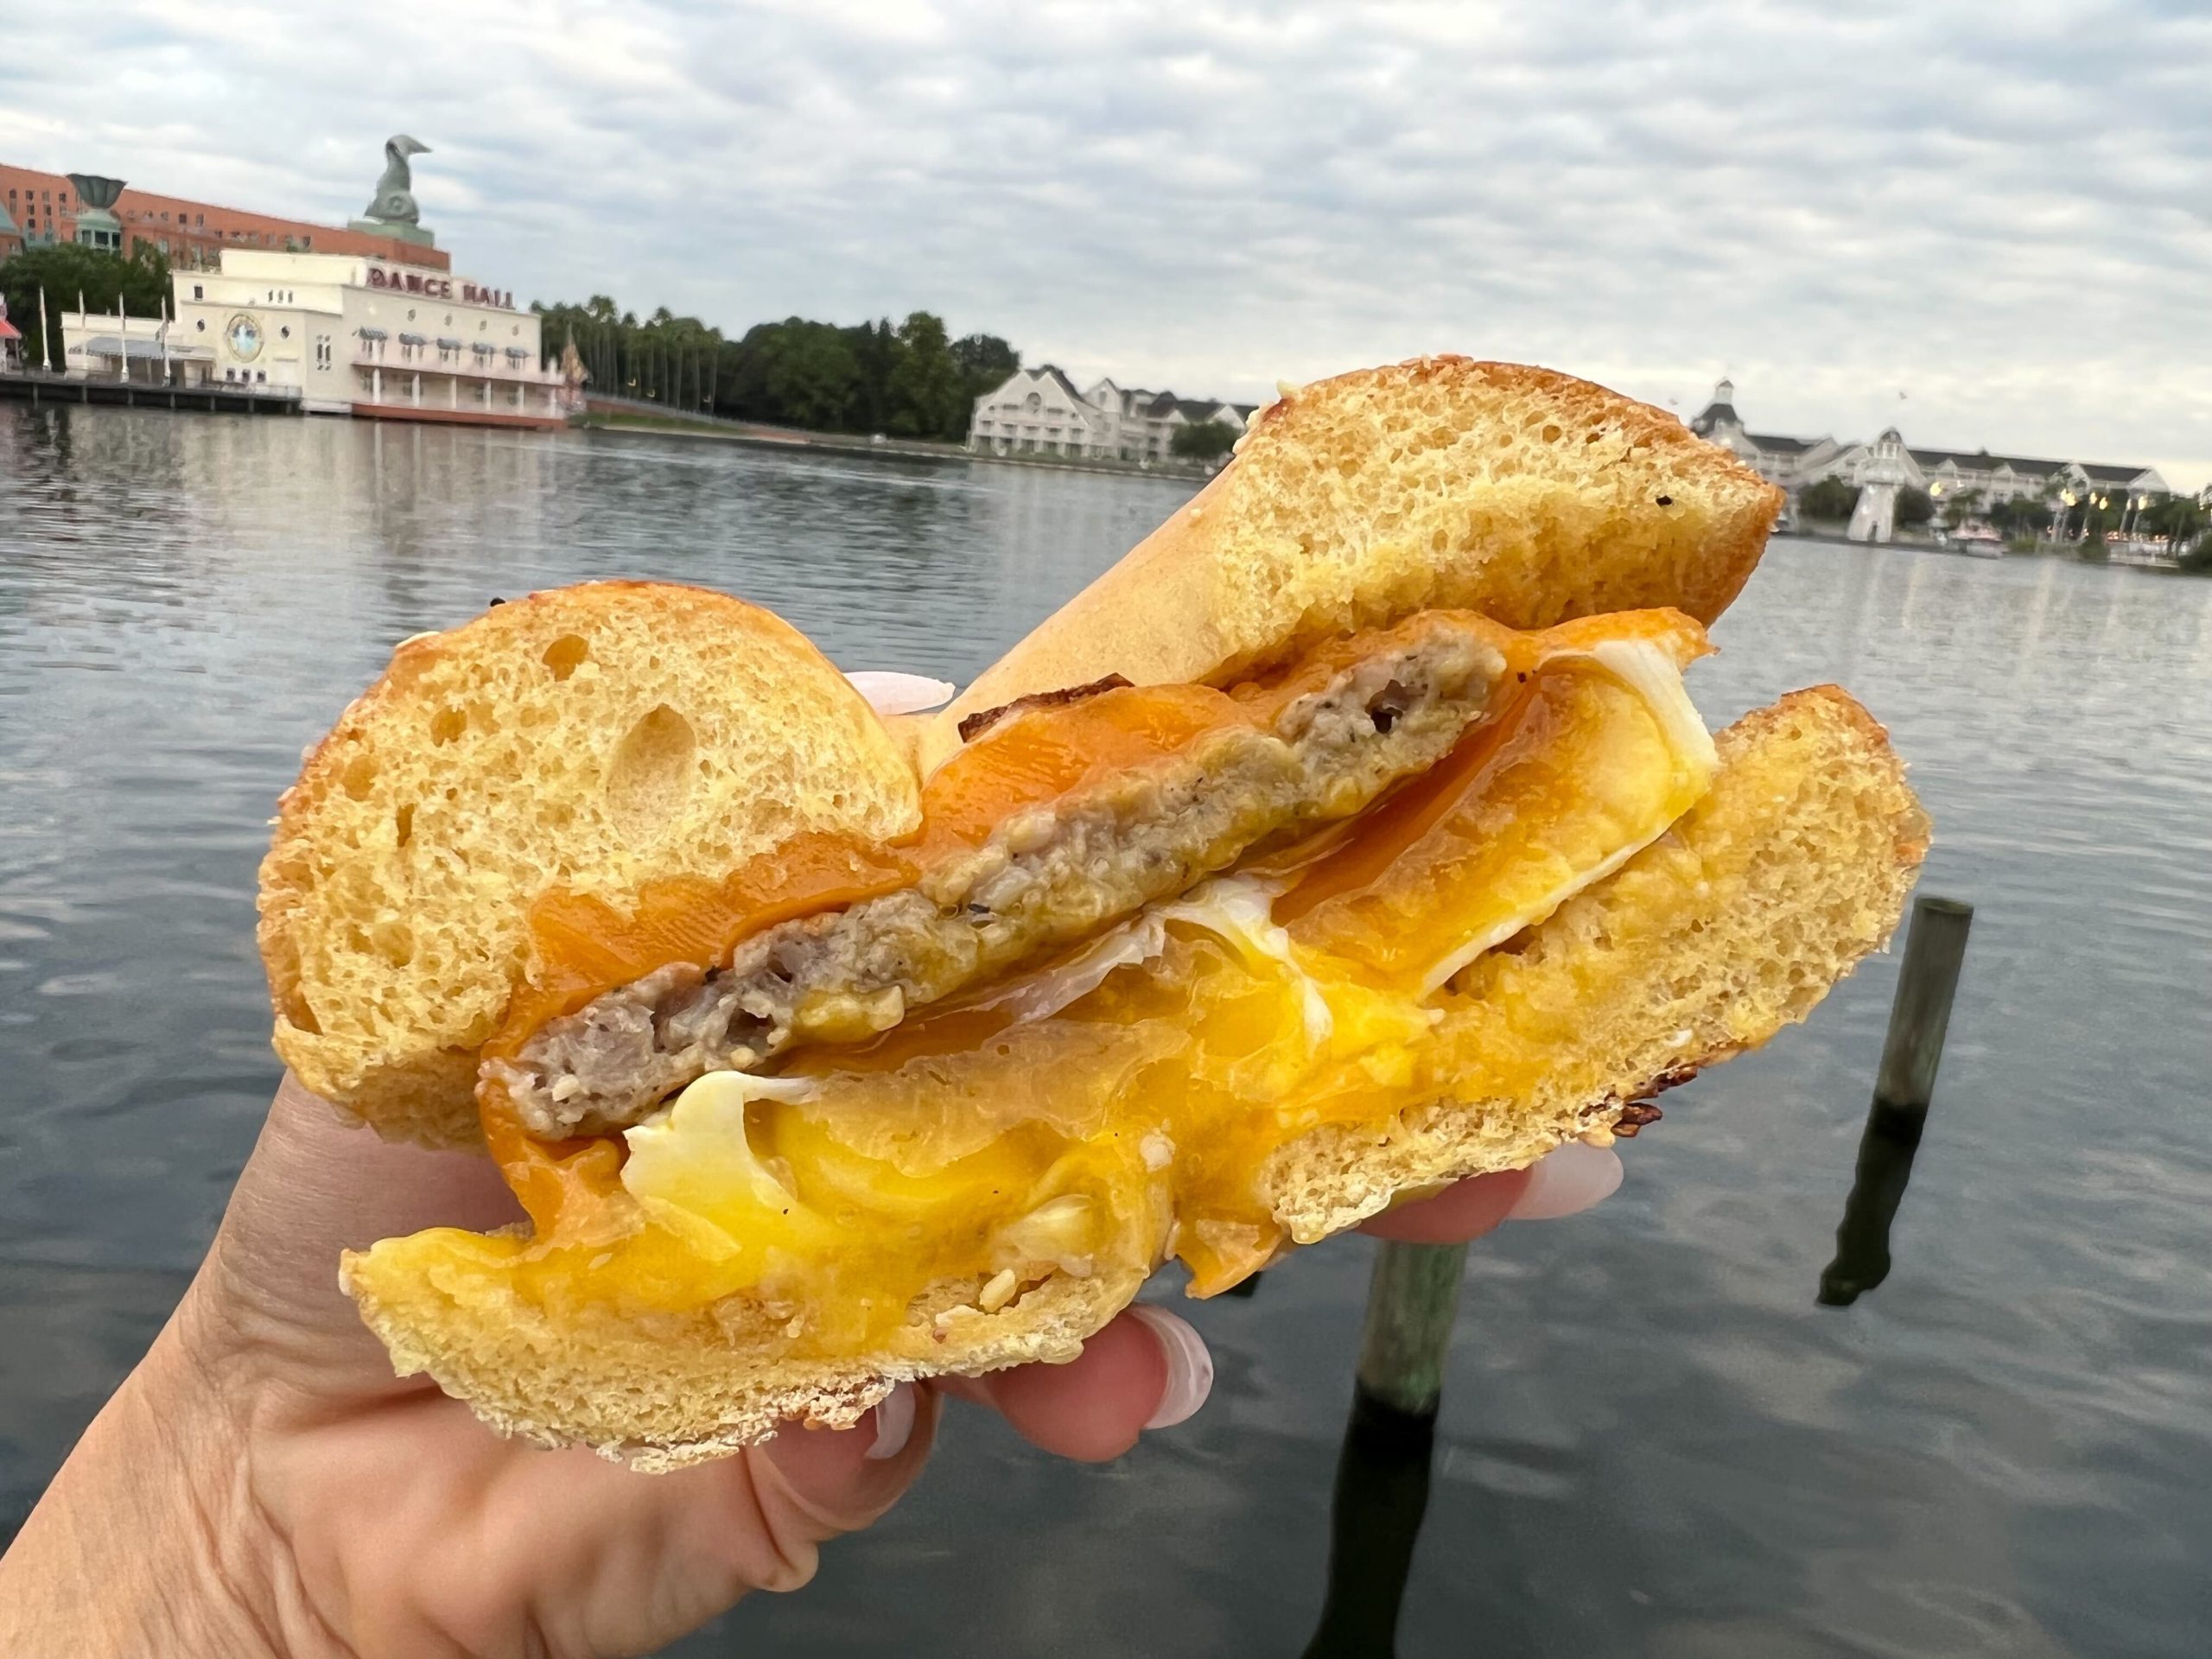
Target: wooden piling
(1921, 1015)
(1411, 1303)
(1919, 1018)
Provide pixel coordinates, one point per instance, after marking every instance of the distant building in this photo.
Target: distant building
(1790, 463)
(1038, 411)
(45, 208)
(1943, 474)
(346, 335)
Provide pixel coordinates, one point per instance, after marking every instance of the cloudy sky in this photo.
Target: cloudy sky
(1983, 221)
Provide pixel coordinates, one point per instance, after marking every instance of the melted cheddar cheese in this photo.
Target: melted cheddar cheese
(1115, 1106)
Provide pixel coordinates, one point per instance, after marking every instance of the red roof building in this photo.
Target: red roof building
(43, 207)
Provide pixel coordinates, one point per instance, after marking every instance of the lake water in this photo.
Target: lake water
(1652, 1441)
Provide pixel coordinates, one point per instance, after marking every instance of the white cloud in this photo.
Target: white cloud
(1997, 211)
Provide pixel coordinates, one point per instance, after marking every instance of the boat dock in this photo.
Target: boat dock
(222, 398)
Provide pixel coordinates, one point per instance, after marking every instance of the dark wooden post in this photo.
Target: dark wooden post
(1921, 1015)
(1919, 1019)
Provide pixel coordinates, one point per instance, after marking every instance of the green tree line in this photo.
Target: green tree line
(907, 380)
(138, 286)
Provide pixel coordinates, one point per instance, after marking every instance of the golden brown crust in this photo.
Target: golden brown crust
(1354, 502)
(595, 737)
(1704, 945)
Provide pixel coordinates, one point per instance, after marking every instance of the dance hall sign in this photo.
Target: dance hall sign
(434, 286)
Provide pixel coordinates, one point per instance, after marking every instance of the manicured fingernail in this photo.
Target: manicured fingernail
(890, 693)
(1566, 1180)
(1190, 1367)
(895, 1422)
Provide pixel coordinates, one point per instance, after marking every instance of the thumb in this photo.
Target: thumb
(813, 1484)
(697, 1540)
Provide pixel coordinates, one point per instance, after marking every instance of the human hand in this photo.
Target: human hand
(263, 1484)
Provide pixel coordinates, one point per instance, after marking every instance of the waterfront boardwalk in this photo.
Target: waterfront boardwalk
(219, 399)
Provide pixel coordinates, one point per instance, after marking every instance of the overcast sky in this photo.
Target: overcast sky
(1983, 221)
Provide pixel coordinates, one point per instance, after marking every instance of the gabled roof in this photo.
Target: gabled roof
(1046, 370)
(1982, 462)
(1775, 444)
(2101, 473)
(1713, 414)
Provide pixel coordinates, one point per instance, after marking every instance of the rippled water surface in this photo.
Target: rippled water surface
(1653, 1441)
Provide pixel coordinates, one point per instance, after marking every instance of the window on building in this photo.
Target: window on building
(307, 241)
(198, 291)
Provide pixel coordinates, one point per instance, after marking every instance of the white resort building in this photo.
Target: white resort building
(1943, 474)
(1038, 411)
(347, 333)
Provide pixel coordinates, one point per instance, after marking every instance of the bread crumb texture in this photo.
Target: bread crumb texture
(1732, 925)
(592, 738)
(1354, 502)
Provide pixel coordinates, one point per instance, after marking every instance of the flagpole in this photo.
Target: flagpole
(45, 334)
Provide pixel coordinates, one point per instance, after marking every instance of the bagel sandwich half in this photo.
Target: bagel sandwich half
(1352, 836)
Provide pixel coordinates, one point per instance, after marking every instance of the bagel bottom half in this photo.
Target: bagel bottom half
(1735, 923)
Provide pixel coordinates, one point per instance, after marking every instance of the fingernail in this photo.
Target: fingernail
(890, 693)
(895, 1422)
(1568, 1178)
(1190, 1367)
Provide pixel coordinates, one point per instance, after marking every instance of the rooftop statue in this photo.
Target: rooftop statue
(394, 203)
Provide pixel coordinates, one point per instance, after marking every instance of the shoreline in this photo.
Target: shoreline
(757, 436)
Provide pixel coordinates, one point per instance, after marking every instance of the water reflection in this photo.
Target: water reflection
(1862, 1239)
(1382, 1492)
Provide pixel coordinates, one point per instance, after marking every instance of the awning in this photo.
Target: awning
(109, 345)
(447, 343)
(517, 352)
(367, 332)
(482, 347)
(9, 331)
(413, 340)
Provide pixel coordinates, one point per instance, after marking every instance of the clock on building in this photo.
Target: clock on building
(244, 336)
